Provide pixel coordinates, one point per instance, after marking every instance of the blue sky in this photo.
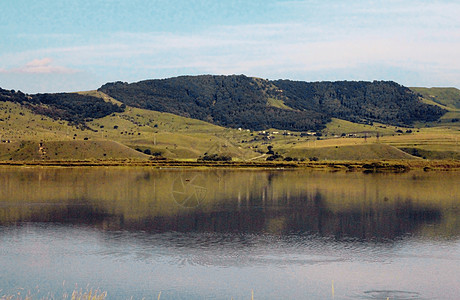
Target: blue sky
(62, 45)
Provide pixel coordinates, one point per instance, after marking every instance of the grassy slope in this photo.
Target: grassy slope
(349, 152)
(278, 103)
(173, 136)
(449, 97)
(19, 123)
(67, 150)
(25, 130)
(178, 137)
(441, 142)
(338, 126)
(437, 140)
(441, 139)
(265, 85)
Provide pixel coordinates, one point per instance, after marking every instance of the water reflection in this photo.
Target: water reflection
(221, 234)
(340, 205)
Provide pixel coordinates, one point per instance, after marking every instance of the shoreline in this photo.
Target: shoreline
(371, 166)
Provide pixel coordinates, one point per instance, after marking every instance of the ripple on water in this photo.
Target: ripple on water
(389, 294)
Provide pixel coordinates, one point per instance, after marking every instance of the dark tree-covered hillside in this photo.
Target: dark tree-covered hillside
(13, 96)
(233, 101)
(240, 101)
(358, 101)
(71, 107)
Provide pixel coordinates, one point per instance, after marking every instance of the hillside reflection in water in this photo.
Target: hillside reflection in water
(229, 219)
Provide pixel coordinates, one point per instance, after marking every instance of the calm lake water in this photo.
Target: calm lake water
(134, 232)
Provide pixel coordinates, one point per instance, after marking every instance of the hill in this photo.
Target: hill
(358, 101)
(67, 150)
(349, 152)
(257, 104)
(229, 101)
(446, 97)
(154, 132)
(94, 125)
(72, 107)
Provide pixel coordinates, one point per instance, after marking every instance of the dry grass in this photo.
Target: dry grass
(357, 152)
(391, 165)
(184, 138)
(67, 150)
(76, 295)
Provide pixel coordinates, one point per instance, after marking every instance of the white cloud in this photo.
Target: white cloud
(40, 66)
(422, 39)
(50, 82)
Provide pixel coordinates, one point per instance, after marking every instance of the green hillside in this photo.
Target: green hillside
(161, 133)
(447, 97)
(257, 104)
(358, 101)
(73, 107)
(122, 131)
(229, 101)
(172, 136)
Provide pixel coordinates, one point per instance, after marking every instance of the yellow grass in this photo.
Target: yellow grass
(76, 295)
(177, 137)
(67, 150)
(357, 152)
(338, 126)
(278, 103)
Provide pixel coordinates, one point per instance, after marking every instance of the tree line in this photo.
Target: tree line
(240, 101)
(230, 101)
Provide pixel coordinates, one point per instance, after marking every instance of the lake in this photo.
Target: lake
(222, 234)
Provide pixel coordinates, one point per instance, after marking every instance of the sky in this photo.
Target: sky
(63, 45)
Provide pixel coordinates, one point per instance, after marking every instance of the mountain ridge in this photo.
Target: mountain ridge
(32, 118)
(240, 101)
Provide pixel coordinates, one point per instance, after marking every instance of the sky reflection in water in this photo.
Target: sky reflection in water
(283, 234)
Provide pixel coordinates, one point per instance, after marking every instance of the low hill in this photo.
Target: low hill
(154, 132)
(73, 107)
(230, 101)
(349, 152)
(446, 97)
(234, 116)
(257, 104)
(358, 101)
(67, 150)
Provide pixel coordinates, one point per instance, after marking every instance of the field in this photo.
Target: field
(67, 150)
(137, 132)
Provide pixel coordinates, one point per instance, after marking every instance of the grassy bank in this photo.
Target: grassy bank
(366, 166)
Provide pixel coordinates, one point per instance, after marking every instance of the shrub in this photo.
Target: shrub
(274, 157)
(215, 157)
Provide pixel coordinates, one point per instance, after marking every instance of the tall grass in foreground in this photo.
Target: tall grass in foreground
(76, 295)
(96, 295)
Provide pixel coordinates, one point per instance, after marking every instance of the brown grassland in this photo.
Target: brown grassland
(142, 137)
